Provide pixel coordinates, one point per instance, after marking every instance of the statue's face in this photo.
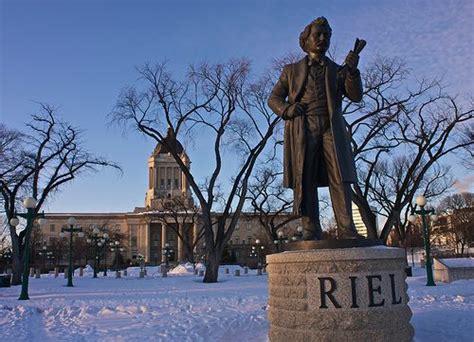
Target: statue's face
(319, 40)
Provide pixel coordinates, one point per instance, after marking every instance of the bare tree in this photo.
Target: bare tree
(50, 157)
(216, 101)
(270, 201)
(425, 125)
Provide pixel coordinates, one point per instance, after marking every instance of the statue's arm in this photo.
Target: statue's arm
(353, 86)
(277, 100)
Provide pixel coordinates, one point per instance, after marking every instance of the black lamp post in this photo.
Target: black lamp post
(298, 235)
(167, 252)
(71, 230)
(30, 204)
(116, 248)
(257, 250)
(421, 202)
(6, 256)
(97, 241)
(280, 240)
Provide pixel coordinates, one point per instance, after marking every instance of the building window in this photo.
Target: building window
(133, 242)
(51, 228)
(162, 183)
(168, 185)
(176, 183)
(243, 242)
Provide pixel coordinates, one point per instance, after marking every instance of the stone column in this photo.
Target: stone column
(164, 240)
(347, 294)
(147, 242)
(180, 242)
(195, 233)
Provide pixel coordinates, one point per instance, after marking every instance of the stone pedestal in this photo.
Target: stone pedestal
(347, 294)
(81, 271)
(237, 273)
(118, 274)
(56, 272)
(38, 273)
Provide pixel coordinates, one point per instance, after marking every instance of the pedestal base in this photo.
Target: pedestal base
(351, 294)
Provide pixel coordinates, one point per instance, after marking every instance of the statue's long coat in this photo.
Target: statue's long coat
(286, 92)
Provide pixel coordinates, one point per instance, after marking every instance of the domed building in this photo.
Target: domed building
(169, 219)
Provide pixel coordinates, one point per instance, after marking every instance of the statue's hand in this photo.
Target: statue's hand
(295, 110)
(352, 60)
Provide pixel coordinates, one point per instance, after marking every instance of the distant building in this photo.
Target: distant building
(168, 210)
(359, 224)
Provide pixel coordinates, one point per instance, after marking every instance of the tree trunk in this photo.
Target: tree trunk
(17, 269)
(212, 265)
(17, 259)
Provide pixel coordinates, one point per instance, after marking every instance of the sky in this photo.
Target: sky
(78, 55)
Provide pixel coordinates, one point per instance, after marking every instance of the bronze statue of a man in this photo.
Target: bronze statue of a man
(317, 149)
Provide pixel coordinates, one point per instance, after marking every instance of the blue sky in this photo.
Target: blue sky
(78, 55)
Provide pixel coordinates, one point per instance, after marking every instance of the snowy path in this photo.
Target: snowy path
(182, 308)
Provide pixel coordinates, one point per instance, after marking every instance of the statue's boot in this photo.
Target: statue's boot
(311, 229)
(349, 233)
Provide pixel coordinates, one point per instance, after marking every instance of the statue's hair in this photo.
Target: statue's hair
(320, 21)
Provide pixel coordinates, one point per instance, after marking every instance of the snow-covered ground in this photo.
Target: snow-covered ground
(182, 308)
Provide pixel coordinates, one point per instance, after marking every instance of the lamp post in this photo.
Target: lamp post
(30, 204)
(105, 239)
(116, 248)
(167, 252)
(421, 202)
(298, 235)
(43, 254)
(71, 230)
(96, 240)
(6, 257)
(281, 238)
(257, 251)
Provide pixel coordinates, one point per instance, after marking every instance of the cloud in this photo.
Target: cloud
(464, 185)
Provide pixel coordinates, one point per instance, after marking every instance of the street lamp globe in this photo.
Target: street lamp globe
(112, 249)
(167, 244)
(95, 231)
(434, 217)
(121, 249)
(412, 219)
(117, 243)
(80, 234)
(280, 233)
(105, 236)
(14, 221)
(421, 201)
(42, 221)
(29, 203)
(257, 241)
(299, 229)
(275, 242)
(71, 221)
(88, 240)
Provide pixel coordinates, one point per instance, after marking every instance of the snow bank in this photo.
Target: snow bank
(180, 308)
(458, 262)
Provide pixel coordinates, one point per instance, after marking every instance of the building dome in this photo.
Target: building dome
(170, 142)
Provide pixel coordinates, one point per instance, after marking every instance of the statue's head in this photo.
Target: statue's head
(316, 37)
